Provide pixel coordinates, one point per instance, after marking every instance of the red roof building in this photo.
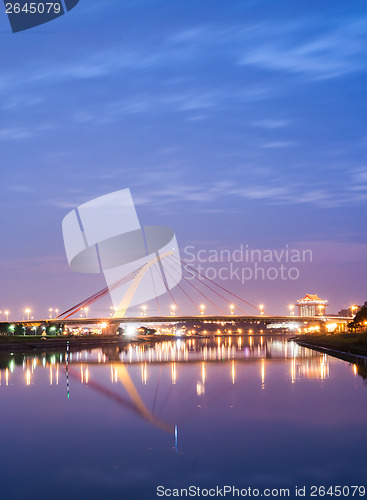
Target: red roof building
(311, 305)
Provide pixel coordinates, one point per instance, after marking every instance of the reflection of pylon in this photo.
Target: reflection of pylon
(138, 405)
(104, 235)
(126, 381)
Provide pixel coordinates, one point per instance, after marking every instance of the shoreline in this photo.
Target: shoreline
(33, 343)
(343, 344)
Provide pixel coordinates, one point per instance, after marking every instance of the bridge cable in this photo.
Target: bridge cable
(210, 288)
(155, 292)
(167, 289)
(96, 296)
(203, 294)
(181, 288)
(200, 274)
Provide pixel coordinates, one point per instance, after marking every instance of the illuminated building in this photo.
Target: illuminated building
(311, 305)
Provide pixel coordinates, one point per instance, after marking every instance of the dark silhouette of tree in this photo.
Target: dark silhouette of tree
(360, 319)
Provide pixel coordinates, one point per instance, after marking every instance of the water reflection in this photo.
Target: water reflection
(302, 363)
(83, 366)
(223, 400)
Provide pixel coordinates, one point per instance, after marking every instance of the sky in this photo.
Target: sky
(235, 123)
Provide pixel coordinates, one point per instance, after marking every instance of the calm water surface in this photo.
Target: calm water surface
(243, 411)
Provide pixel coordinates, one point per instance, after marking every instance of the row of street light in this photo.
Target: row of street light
(54, 312)
(28, 312)
(6, 314)
(173, 309)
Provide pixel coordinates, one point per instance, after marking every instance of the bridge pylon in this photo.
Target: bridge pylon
(121, 310)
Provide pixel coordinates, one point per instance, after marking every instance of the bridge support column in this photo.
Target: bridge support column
(323, 328)
(111, 329)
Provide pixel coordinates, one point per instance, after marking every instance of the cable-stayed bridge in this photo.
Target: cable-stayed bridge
(194, 288)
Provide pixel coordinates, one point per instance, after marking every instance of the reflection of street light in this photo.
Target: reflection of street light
(28, 312)
(231, 308)
(261, 308)
(202, 307)
(291, 310)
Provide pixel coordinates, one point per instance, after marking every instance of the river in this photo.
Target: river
(114, 423)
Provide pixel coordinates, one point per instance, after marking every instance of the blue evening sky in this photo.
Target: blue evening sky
(234, 122)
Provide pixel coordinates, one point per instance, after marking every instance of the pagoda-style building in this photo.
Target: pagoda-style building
(311, 305)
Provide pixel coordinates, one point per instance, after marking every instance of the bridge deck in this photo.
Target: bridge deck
(184, 319)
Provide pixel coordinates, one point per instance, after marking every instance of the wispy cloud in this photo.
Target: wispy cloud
(360, 176)
(195, 105)
(271, 123)
(178, 188)
(278, 144)
(14, 134)
(46, 265)
(20, 188)
(269, 186)
(338, 51)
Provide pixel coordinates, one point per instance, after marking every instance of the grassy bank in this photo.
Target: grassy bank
(36, 339)
(25, 343)
(21, 339)
(353, 343)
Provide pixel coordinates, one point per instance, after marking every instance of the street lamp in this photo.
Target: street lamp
(173, 309)
(320, 309)
(291, 310)
(202, 307)
(7, 315)
(50, 310)
(143, 310)
(28, 312)
(353, 308)
(231, 308)
(261, 308)
(86, 311)
(57, 312)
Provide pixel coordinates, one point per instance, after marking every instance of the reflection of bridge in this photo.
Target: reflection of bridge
(137, 403)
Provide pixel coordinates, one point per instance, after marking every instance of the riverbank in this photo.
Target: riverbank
(26, 343)
(30, 343)
(351, 343)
